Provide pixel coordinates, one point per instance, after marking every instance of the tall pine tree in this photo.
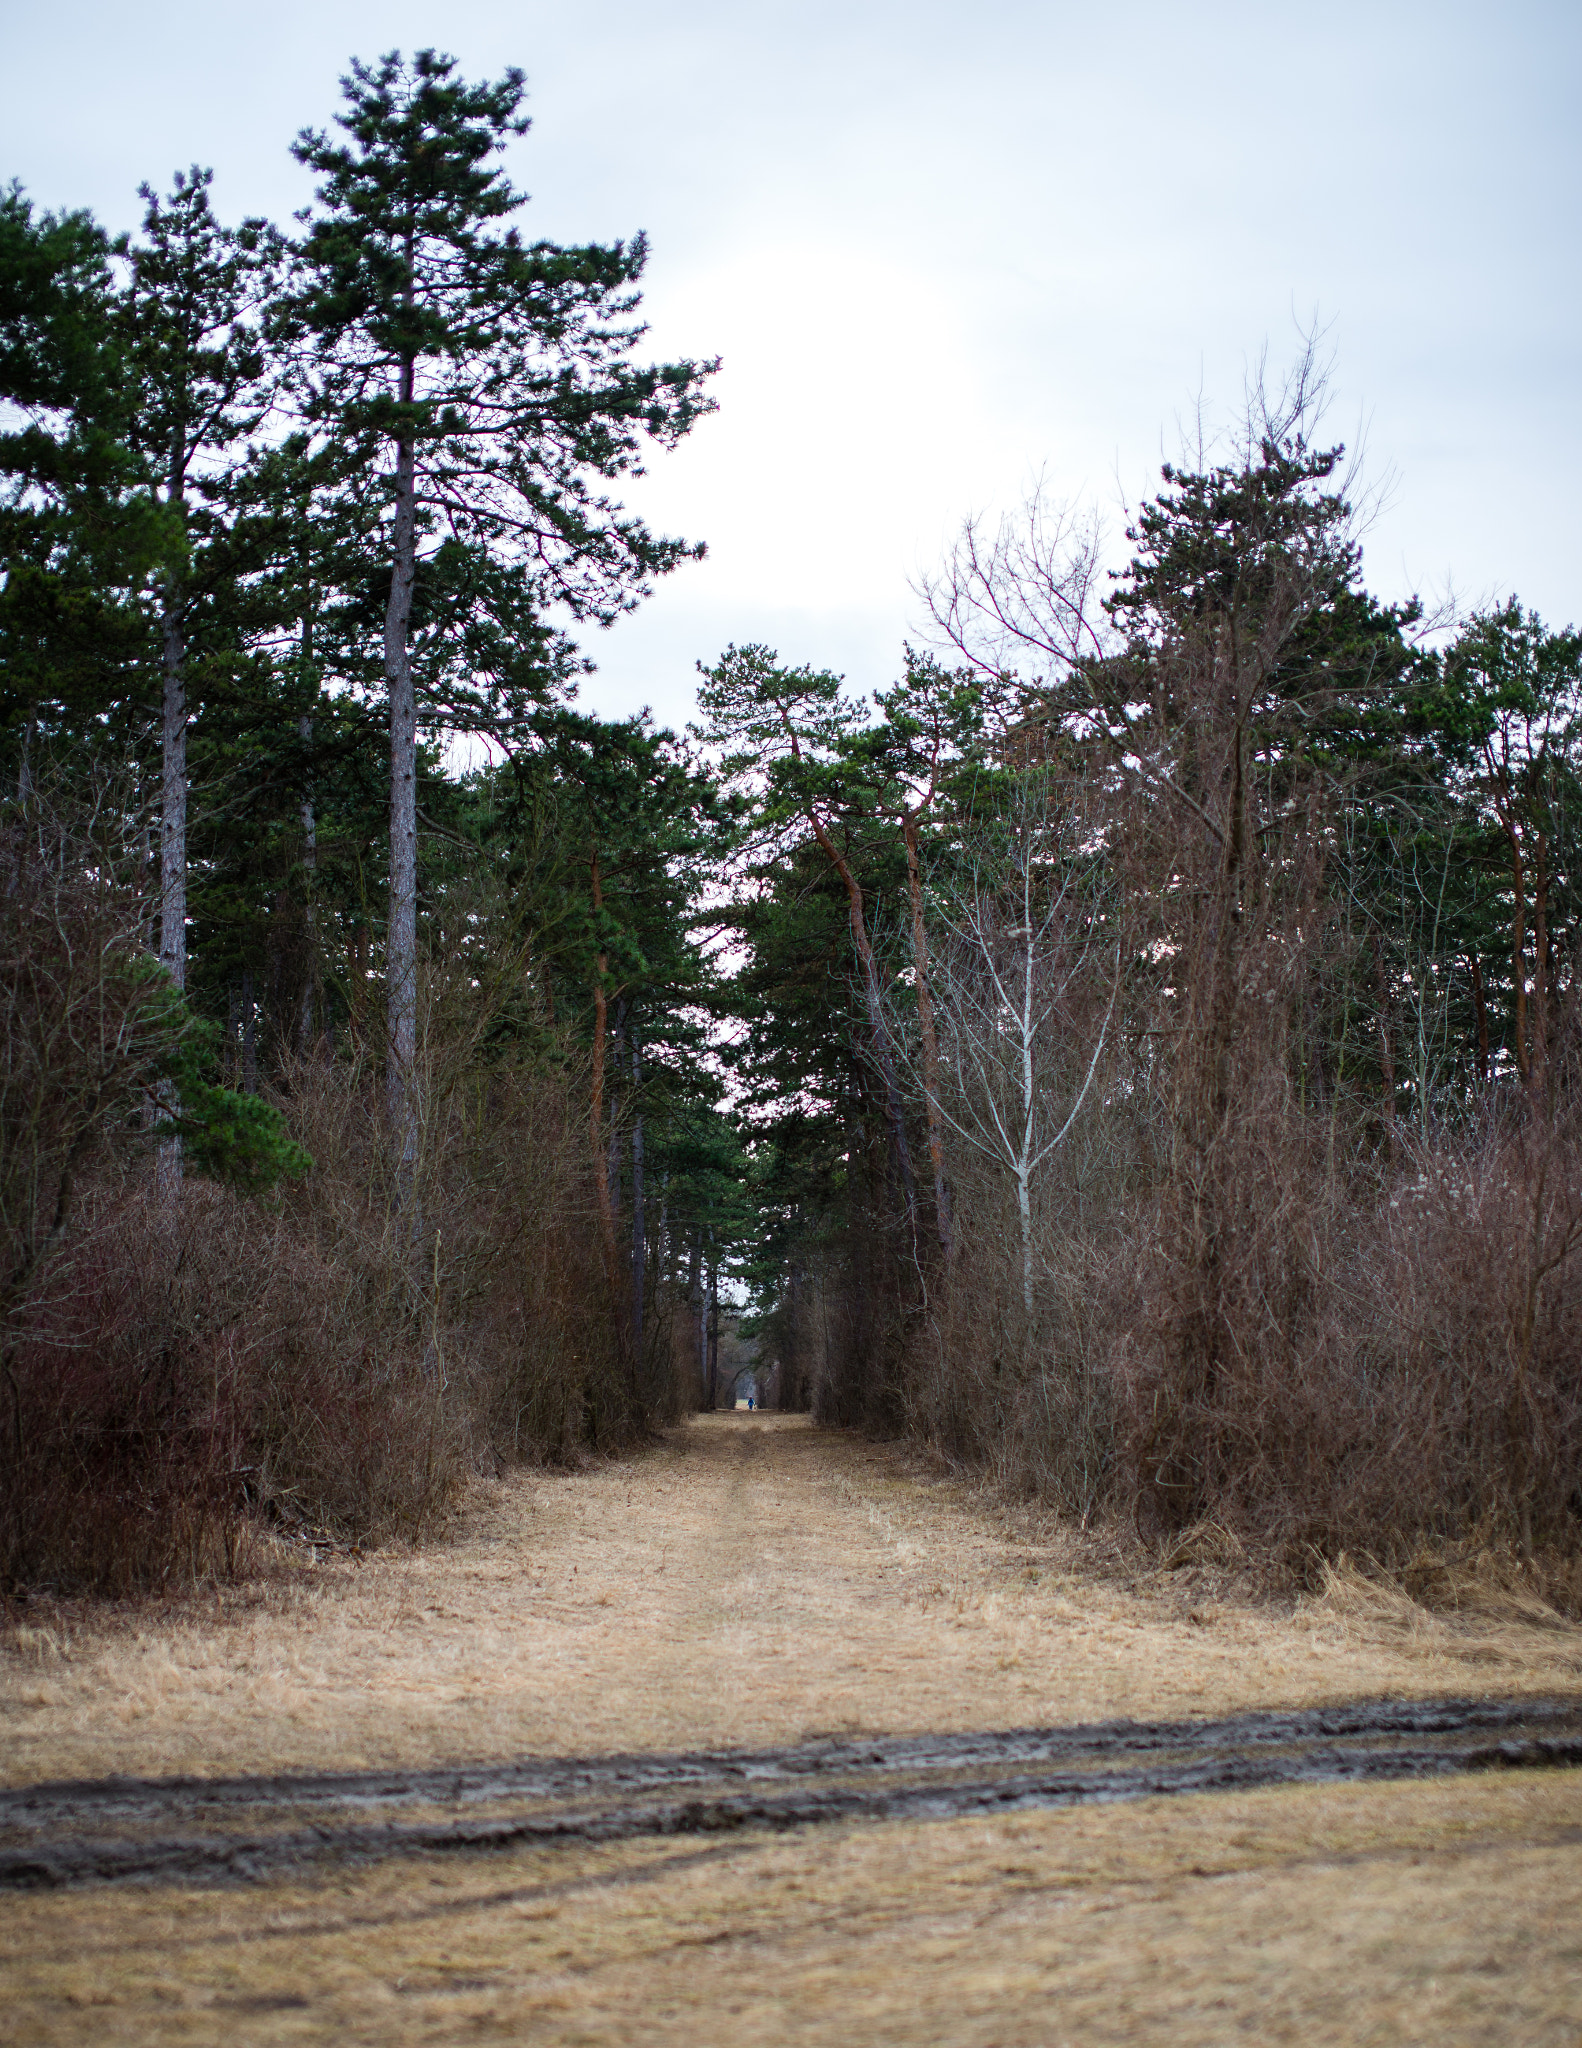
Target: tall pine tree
(488, 385)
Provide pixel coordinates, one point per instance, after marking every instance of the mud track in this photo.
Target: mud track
(252, 1829)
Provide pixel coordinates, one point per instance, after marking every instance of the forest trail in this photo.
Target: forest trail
(755, 1612)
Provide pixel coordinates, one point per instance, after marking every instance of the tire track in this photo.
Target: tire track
(237, 1830)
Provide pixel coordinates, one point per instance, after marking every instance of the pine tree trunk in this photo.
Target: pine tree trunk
(612, 1067)
(173, 845)
(601, 1162)
(875, 1006)
(401, 942)
(714, 1334)
(310, 861)
(695, 1304)
(930, 1038)
(639, 1221)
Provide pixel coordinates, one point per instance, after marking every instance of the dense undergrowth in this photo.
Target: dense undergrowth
(330, 1347)
(1394, 1375)
(1253, 1079)
(197, 1362)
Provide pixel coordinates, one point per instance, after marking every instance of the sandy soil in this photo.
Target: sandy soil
(755, 1582)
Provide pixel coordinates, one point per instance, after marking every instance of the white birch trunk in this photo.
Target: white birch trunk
(1024, 1209)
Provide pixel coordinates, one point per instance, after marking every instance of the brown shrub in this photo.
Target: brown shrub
(493, 1271)
(333, 1362)
(197, 1360)
(1394, 1356)
(1383, 1361)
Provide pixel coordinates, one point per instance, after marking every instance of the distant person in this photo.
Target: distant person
(752, 1403)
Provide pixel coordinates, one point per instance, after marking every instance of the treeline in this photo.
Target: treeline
(355, 1128)
(1136, 1053)
(1165, 1029)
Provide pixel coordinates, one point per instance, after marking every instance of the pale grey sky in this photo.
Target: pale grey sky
(943, 248)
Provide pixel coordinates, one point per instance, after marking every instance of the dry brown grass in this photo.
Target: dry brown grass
(1444, 1913)
(746, 1583)
(758, 1581)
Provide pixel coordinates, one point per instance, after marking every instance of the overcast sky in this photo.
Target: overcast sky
(945, 248)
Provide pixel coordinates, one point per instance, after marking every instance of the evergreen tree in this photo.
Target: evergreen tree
(196, 372)
(637, 829)
(77, 533)
(196, 390)
(485, 385)
(1498, 724)
(783, 734)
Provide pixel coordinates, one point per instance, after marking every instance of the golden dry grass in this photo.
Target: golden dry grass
(754, 1582)
(1442, 1913)
(749, 1582)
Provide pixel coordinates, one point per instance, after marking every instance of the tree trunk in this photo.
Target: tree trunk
(310, 862)
(173, 844)
(612, 1068)
(1024, 1211)
(875, 1006)
(1208, 1097)
(1024, 1163)
(639, 1227)
(401, 941)
(1524, 1063)
(601, 1163)
(1538, 1078)
(1225, 986)
(695, 1305)
(1481, 1012)
(713, 1334)
(930, 1037)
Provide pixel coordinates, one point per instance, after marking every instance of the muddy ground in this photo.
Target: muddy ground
(636, 1757)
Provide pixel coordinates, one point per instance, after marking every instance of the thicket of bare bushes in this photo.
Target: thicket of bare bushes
(188, 1367)
(184, 1365)
(1396, 1343)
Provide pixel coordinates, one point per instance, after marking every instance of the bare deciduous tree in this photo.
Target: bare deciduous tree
(1025, 976)
(1024, 597)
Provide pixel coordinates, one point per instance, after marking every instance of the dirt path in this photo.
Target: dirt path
(750, 1583)
(755, 1586)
